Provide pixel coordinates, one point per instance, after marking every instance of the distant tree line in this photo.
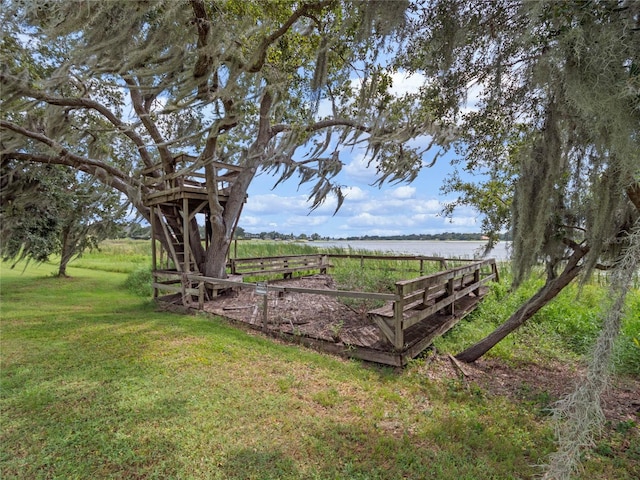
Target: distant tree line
(138, 231)
(273, 235)
(429, 236)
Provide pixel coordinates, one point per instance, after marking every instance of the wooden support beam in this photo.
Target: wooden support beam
(154, 260)
(185, 235)
(398, 314)
(169, 239)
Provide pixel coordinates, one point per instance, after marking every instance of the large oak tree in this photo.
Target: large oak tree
(283, 87)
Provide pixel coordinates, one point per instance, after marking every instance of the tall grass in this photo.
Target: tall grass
(120, 256)
(565, 328)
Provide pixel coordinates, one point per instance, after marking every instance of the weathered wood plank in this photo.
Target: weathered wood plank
(277, 288)
(287, 264)
(175, 288)
(384, 327)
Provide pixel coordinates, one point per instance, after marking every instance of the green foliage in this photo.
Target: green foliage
(260, 248)
(566, 327)
(32, 211)
(51, 209)
(122, 256)
(627, 352)
(140, 282)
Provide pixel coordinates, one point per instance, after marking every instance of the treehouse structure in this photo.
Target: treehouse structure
(176, 200)
(401, 325)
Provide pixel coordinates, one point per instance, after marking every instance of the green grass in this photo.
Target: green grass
(95, 383)
(565, 329)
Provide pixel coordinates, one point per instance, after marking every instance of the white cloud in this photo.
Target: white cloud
(271, 204)
(428, 206)
(463, 221)
(248, 221)
(306, 221)
(366, 219)
(360, 171)
(423, 217)
(404, 192)
(406, 83)
(354, 194)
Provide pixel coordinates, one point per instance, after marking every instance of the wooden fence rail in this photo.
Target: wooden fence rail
(422, 297)
(285, 264)
(419, 310)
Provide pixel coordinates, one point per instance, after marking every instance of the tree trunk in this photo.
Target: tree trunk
(548, 292)
(217, 257)
(66, 254)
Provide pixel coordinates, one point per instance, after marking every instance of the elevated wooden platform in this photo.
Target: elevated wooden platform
(176, 194)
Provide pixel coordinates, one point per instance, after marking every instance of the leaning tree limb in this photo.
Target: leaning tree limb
(548, 292)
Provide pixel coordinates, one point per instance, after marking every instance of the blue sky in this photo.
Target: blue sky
(391, 210)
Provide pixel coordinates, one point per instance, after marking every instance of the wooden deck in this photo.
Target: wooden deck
(307, 310)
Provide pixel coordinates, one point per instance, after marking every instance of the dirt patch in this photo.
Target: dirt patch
(316, 316)
(540, 384)
(549, 383)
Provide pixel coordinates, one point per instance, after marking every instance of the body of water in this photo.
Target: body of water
(436, 248)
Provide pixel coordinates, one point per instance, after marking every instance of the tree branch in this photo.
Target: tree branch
(64, 157)
(82, 102)
(333, 122)
(143, 113)
(633, 192)
(204, 61)
(261, 54)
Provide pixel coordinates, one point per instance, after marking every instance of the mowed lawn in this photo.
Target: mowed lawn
(97, 383)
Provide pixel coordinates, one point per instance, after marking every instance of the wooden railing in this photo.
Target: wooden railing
(419, 298)
(189, 174)
(286, 264)
(449, 294)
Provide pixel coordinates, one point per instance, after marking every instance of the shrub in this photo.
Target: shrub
(140, 282)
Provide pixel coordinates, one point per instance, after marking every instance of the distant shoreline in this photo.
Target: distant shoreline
(441, 248)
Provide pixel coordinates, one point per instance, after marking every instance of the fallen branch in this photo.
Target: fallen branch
(458, 365)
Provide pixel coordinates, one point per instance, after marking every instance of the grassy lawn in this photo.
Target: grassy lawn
(98, 384)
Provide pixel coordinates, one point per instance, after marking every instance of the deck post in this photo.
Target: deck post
(324, 261)
(185, 235)
(398, 308)
(265, 307)
(154, 260)
(200, 295)
(450, 292)
(476, 280)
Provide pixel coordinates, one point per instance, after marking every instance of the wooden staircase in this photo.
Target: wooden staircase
(171, 227)
(174, 200)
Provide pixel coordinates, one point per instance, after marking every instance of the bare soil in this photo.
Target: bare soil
(541, 384)
(315, 316)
